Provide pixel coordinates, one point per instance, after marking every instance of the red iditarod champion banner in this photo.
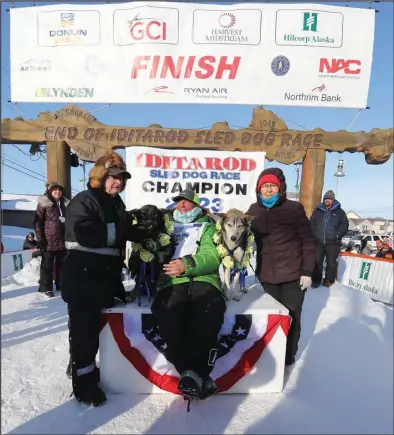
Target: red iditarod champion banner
(223, 180)
(242, 340)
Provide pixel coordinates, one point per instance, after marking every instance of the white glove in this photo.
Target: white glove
(305, 282)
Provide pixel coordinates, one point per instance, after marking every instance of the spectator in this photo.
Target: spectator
(30, 242)
(386, 252)
(329, 224)
(285, 249)
(49, 224)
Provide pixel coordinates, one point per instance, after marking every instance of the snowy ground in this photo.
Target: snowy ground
(342, 382)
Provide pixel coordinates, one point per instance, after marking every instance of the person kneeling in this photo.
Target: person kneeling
(190, 308)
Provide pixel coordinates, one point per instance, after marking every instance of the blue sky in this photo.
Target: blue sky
(366, 189)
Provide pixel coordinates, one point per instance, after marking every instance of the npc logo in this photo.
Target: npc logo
(280, 66)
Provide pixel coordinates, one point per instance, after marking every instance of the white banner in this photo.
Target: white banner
(223, 180)
(12, 262)
(161, 52)
(367, 274)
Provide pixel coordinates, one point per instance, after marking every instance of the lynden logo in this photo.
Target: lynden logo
(336, 65)
(227, 20)
(365, 270)
(65, 92)
(310, 21)
(147, 29)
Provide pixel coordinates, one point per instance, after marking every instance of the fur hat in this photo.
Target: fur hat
(52, 185)
(100, 170)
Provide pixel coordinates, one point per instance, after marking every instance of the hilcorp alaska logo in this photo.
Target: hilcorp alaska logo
(309, 28)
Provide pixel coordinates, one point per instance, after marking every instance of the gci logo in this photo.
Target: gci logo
(350, 66)
(148, 29)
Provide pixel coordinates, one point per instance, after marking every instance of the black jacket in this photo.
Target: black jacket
(95, 249)
(29, 244)
(329, 226)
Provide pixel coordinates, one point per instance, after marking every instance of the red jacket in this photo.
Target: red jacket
(284, 239)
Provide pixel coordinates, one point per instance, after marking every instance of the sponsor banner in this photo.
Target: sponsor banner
(163, 52)
(222, 180)
(371, 275)
(12, 262)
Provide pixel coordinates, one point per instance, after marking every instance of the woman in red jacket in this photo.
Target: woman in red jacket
(285, 249)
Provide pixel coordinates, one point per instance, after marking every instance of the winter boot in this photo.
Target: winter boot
(190, 384)
(208, 388)
(49, 294)
(327, 283)
(87, 391)
(315, 284)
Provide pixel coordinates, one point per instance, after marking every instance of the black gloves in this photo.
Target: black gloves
(41, 245)
(126, 230)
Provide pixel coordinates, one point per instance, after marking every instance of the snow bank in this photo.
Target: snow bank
(341, 383)
(10, 201)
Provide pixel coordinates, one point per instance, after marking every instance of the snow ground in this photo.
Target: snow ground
(342, 382)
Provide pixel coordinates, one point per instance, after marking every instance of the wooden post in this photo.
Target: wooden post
(312, 179)
(58, 165)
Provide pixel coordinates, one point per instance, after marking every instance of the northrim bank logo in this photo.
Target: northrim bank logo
(310, 21)
(365, 270)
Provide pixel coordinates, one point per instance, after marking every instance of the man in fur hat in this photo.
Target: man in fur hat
(49, 225)
(97, 228)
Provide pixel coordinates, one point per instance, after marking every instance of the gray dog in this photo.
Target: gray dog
(235, 232)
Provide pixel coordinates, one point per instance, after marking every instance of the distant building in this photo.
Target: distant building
(373, 225)
(18, 210)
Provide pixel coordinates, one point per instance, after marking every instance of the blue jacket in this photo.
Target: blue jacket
(329, 226)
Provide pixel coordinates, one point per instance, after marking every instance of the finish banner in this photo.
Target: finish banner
(162, 52)
(222, 180)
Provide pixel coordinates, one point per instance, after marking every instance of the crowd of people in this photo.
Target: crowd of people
(85, 239)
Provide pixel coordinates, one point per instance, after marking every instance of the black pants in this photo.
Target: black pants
(46, 270)
(291, 296)
(190, 317)
(331, 253)
(84, 331)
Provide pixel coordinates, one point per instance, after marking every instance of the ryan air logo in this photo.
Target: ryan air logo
(18, 262)
(365, 270)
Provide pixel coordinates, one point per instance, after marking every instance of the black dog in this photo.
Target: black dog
(148, 275)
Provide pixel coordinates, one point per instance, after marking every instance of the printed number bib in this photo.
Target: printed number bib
(185, 237)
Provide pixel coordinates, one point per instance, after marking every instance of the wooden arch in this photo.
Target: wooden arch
(76, 128)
